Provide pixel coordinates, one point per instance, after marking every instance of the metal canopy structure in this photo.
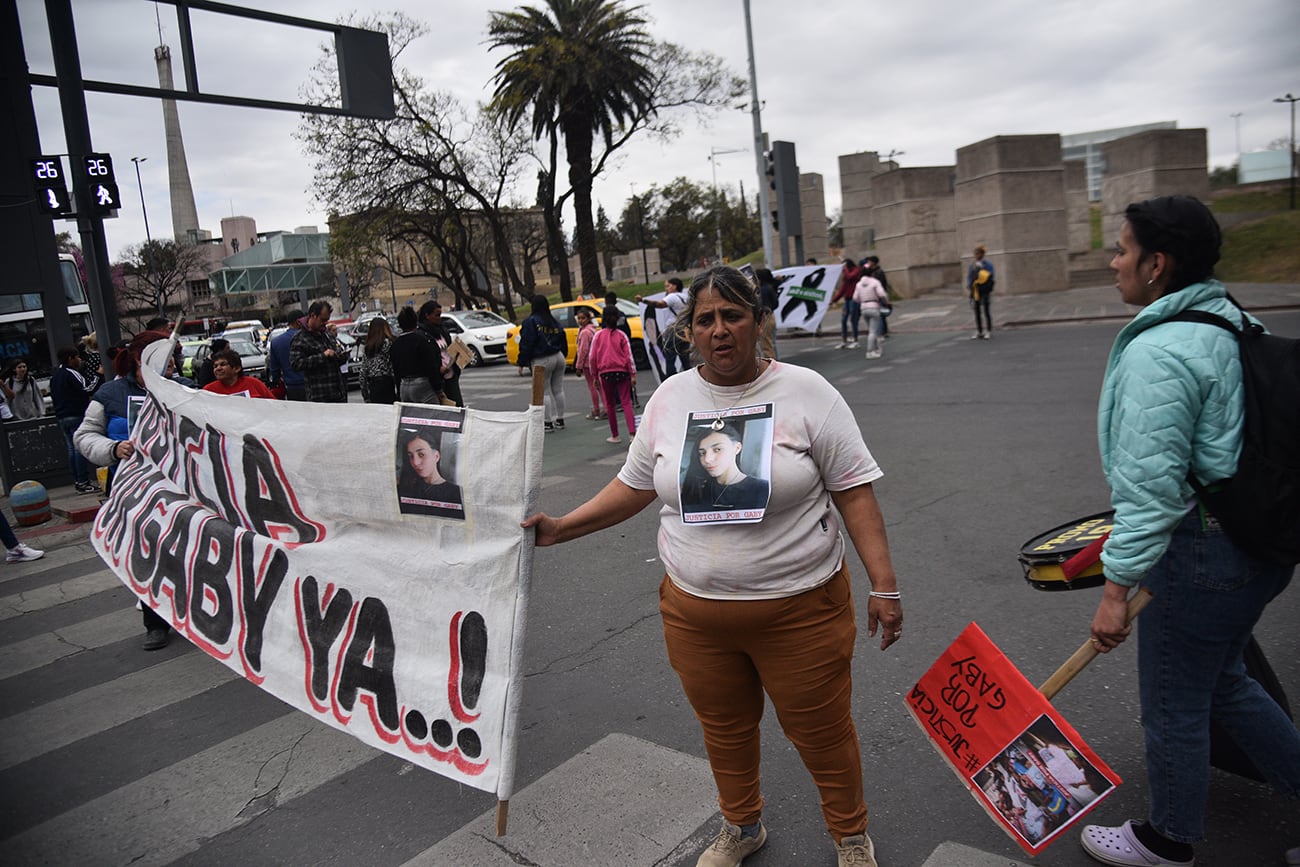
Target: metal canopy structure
(365, 88)
(281, 263)
(365, 69)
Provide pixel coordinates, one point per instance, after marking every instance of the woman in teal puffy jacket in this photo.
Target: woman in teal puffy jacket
(1171, 403)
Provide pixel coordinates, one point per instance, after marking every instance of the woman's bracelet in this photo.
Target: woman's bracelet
(881, 594)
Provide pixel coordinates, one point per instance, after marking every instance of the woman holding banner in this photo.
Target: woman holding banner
(759, 606)
(1171, 404)
(104, 439)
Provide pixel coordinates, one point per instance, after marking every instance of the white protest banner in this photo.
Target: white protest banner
(655, 324)
(804, 295)
(363, 563)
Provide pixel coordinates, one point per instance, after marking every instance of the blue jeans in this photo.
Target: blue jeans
(1209, 594)
(7, 537)
(78, 463)
(852, 311)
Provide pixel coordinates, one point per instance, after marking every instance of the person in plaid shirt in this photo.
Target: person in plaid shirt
(318, 357)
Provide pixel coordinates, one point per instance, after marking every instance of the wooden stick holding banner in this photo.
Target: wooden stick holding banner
(539, 385)
(1088, 652)
(503, 804)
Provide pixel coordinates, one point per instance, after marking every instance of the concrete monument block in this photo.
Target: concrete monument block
(1078, 211)
(857, 172)
(915, 218)
(1010, 197)
(812, 208)
(1159, 162)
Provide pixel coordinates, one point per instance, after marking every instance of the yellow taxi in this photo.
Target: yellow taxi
(566, 315)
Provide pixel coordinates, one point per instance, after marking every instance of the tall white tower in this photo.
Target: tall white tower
(185, 216)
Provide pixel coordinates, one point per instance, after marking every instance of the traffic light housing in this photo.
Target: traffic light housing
(51, 186)
(100, 188)
(784, 174)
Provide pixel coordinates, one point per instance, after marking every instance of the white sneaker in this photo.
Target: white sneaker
(853, 344)
(978, 335)
(842, 345)
(21, 554)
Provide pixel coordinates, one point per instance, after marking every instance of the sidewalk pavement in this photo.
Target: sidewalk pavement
(950, 311)
(939, 311)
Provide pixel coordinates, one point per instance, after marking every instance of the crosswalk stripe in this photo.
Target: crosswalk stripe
(40, 598)
(62, 559)
(58, 723)
(48, 647)
(164, 815)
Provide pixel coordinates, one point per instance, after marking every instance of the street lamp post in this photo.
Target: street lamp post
(760, 159)
(1236, 117)
(714, 153)
(1291, 99)
(148, 240)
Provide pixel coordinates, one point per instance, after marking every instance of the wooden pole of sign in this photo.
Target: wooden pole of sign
(539, 384)
(1086, 654)
(503, 813)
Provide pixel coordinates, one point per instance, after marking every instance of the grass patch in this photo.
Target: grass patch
(1251, 202)
(1262, 251)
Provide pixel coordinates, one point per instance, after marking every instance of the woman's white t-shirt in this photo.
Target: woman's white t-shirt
(798, 434)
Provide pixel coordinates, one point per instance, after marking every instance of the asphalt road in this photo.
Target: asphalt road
(109, 755)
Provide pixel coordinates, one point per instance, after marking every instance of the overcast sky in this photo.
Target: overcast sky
(923, 77)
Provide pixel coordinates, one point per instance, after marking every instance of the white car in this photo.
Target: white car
(483, 332)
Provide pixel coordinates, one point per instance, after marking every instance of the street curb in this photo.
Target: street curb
(77, 514)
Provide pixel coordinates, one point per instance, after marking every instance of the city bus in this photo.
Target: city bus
(22, 321)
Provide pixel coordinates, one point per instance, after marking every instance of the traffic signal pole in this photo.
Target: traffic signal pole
(760, 158)
(76, 132)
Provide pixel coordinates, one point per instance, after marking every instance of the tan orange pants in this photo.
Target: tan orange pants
(799, 650)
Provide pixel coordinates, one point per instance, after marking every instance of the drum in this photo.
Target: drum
(1067, 557)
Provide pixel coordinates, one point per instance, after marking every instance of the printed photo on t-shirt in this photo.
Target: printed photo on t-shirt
(726, 465)
(428, 444)
(134, 406)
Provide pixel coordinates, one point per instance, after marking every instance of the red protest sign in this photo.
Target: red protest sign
(1021, 760)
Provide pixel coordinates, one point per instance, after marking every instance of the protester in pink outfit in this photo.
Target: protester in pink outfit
(611, 358)
(586, 333)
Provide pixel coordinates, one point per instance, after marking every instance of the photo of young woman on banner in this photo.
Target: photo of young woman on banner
(725, 465)
(428, 440)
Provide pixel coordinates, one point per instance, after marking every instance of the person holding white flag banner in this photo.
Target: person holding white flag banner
(384, 603)
(756, 597)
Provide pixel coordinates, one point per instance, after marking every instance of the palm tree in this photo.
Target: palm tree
(582, 67)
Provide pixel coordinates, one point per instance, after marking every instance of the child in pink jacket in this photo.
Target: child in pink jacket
(587, 333)
(611, 359)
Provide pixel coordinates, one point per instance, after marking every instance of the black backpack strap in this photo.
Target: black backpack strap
(1207, 319)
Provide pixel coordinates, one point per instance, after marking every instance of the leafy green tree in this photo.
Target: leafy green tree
(581, 67)
(153, 277)
(1224, 176)
(636, 225)
(586, 71)
(684, 227)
